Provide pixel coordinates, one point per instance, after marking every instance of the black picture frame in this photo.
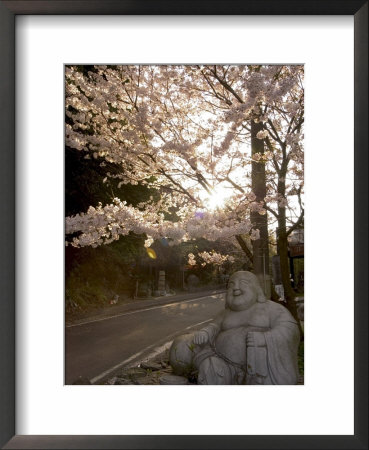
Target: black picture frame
(8, 11)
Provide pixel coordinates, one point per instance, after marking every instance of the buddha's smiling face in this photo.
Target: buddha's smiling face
(242, 291)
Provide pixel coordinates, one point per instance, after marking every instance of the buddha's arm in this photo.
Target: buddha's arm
(209, 332)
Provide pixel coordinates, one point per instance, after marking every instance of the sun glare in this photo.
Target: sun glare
(217, 198)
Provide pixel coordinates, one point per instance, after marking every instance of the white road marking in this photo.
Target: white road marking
(117, 366)
(132, 359)
(100, 319)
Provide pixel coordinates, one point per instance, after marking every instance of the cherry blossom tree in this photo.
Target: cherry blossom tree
(212, 257)
(186, 132)
(267, 102)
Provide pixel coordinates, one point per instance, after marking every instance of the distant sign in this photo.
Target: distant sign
(296, 250)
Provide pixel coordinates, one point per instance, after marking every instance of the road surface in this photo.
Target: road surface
(96, 348)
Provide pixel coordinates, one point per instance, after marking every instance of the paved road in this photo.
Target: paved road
(94, 349)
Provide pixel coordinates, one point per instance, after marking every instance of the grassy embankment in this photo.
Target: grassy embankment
(96, 276)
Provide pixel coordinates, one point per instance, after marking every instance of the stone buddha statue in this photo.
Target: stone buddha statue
(253, 341)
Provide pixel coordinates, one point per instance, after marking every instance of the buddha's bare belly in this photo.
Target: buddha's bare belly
(231, 344)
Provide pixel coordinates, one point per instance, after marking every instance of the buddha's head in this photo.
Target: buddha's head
(243, 291)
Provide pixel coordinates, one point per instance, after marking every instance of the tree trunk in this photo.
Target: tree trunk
(282, 246)
(285, 273)
(248, 253)
(260, 247)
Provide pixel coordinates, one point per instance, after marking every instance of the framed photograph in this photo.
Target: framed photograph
(42, 45)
